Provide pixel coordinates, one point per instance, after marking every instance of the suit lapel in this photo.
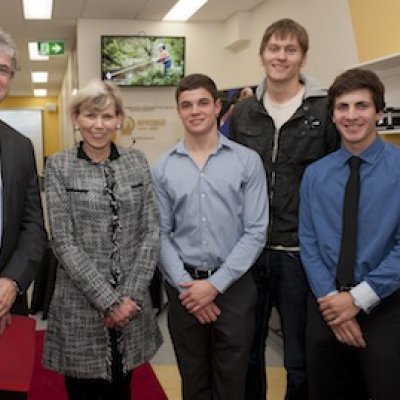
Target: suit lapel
(7, 155)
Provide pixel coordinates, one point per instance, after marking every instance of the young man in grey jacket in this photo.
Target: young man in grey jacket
(288, 124)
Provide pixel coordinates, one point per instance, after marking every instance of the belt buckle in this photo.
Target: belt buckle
(202, 273)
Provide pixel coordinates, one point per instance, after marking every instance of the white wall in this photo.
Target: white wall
(328, 23)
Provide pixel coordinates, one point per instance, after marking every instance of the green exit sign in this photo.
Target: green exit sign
(51, 48)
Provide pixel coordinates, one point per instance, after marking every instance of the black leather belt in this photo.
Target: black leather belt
(198, 272)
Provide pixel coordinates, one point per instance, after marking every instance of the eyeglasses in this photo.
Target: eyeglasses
(5, 70)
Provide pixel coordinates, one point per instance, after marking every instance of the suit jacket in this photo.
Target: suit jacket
(23, 235)
(93, 237)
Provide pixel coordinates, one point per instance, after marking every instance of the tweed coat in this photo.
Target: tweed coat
(81, 220)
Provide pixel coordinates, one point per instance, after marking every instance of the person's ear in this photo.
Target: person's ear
(74, 118)
(218, 106)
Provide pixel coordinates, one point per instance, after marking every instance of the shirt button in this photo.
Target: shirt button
(203, 195)
(204, 242)
(203, 219)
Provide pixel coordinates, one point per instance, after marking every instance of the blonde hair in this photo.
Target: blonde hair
(97, 95)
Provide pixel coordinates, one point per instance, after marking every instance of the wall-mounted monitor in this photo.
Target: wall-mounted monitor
(143, 60)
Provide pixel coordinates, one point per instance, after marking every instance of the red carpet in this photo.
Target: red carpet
(48, 385)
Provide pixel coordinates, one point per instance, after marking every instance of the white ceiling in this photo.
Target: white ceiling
(63, 27)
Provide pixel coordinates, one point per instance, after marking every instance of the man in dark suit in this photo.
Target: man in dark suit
(22, 235)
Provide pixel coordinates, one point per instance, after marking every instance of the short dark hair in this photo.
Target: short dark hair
(282, 29)
(197, 81)
(354, 79)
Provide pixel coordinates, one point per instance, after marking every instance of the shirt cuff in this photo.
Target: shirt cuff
(364, 296)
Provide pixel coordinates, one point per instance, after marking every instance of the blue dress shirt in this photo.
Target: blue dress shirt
(215, 217)
(377, 269)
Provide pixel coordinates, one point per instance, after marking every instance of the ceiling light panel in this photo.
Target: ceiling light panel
(40, 77)
(37, 9)
(183, 10)
(40, 92)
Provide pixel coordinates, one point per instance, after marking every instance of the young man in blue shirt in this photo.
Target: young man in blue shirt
(353, 341)
(214, 215)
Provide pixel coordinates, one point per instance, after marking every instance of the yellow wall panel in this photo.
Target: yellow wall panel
(376, 27)
(51, 125)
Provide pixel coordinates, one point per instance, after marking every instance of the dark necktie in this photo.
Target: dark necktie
(348, 249)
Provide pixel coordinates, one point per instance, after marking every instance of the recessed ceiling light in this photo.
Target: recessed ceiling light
(183, 10)
(40, 77)
(37, 9)
(40, 92)
(33, 52)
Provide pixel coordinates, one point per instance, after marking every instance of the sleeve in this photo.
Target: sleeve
(321, 280)
(27, 255)
(138, 281)
(255, 223)
(171, 265)
(79, 266)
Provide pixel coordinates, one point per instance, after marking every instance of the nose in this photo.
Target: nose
(98, 122)
(281, 53)
(195, 108)
(351, 113)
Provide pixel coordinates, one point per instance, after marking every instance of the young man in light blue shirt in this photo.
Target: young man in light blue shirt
(353, 341)
(214, 213)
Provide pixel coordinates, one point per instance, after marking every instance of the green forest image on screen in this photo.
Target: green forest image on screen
(143, 60)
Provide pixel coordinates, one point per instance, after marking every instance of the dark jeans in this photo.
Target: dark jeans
(281, 283)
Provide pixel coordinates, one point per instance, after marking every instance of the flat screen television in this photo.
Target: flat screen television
(143, 60)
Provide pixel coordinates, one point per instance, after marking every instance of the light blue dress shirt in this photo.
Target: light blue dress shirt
(377, 269)
(215, 217)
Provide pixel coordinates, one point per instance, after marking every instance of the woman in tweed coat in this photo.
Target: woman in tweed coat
(105, 234)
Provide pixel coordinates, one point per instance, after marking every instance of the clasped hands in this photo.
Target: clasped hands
(339, 311)
(198, 299)
(122, 313)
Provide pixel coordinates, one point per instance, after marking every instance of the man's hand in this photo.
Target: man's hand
(198, 293)
(349, 332)
(337, 308)
(8, 294)
(4, 321)
(207, 314)
(122, 314)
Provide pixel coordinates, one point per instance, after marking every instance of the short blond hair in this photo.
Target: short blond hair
(97, 95)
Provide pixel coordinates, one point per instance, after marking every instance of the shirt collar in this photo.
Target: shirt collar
(114, 154)
(369, 155)
(223, 142)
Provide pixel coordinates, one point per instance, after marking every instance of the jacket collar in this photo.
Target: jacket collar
(114, 154)
(312, 88)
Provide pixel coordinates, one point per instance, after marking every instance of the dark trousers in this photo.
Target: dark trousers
(340, 372)
(100, 389)
(281, 283)
(213, 358)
